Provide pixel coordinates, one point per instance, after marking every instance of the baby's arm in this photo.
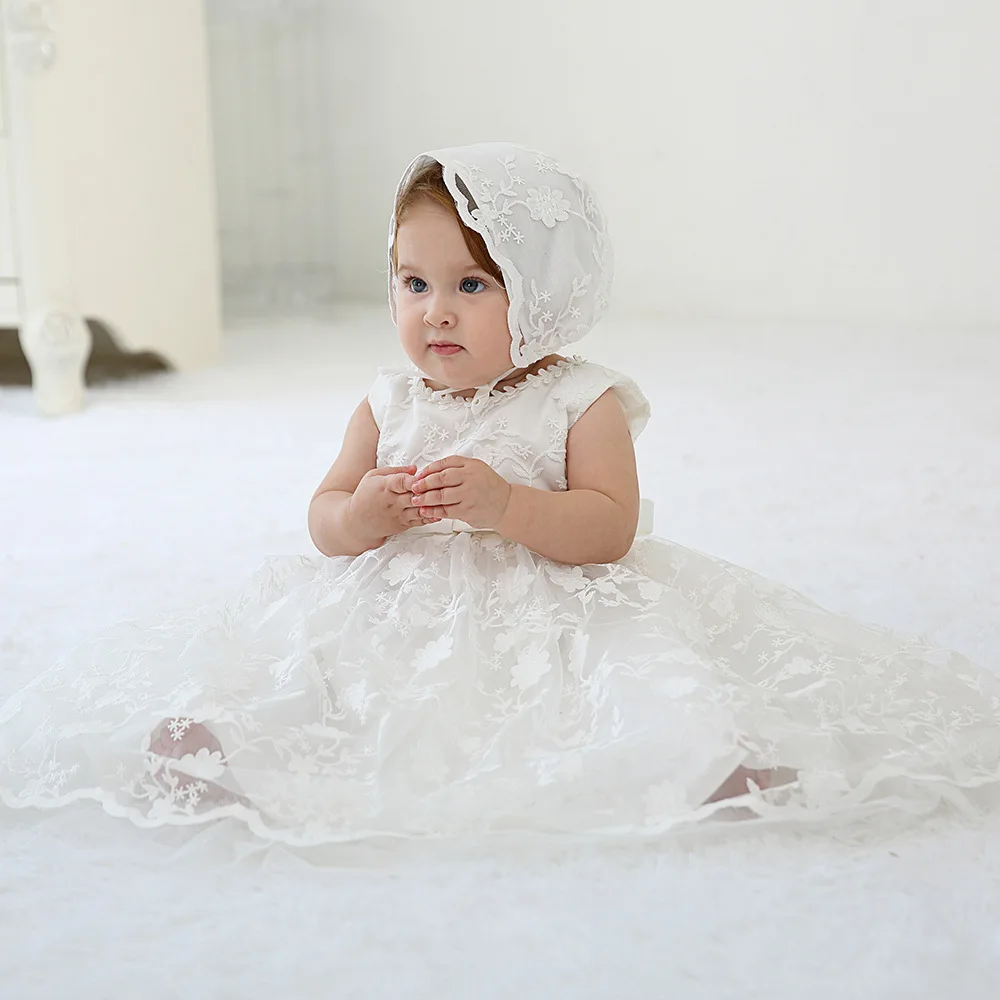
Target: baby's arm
(595, 520)
(358, 506)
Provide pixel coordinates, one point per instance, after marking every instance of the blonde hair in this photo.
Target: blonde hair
(428, 182)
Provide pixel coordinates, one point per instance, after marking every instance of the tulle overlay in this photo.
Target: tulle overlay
(456, 684)
(460, 684)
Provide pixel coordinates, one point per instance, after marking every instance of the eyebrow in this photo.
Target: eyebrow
(473, 266)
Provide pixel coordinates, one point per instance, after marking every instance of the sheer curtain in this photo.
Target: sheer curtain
(270, 98)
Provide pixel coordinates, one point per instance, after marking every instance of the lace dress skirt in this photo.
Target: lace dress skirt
(454, 684)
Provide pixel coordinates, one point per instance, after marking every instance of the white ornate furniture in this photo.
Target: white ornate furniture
(107, 202)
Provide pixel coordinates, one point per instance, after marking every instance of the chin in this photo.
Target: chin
(439, 374)
(451, 370)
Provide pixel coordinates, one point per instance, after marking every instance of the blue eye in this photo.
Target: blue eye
(472, 281)
(412, 284)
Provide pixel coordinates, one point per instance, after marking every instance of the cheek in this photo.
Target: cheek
(498, 323)
(408, 319)
(409, 330)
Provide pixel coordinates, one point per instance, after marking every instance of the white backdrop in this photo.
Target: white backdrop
(829, 160)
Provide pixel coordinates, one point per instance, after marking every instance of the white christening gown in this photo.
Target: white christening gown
(455, 683)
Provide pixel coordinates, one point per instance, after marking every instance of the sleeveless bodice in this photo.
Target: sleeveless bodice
(520, 431)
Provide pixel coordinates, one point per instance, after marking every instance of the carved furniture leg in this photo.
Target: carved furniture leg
(57, 346)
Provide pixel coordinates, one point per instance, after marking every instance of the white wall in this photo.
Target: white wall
(829, 160)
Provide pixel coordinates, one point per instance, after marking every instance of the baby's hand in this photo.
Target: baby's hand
(381, 503)
(464, 488)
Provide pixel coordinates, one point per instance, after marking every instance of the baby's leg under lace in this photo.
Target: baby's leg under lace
(736, 783)
(179, 737)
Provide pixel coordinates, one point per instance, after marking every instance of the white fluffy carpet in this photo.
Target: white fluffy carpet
(860, 466)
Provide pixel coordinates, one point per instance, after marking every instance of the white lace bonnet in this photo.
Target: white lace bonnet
(543, 228)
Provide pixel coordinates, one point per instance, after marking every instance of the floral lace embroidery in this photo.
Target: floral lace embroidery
(460, 683)
(520, 432)
(546, 205)
(356, 697)
(544, 324)
(544, 376)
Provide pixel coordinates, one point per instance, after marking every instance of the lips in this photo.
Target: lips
(444, 348)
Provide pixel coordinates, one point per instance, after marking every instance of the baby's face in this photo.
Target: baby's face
(451, 315)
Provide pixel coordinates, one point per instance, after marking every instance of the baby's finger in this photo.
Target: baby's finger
(390, 470)
(436, 480)
(438, 498)
(451, 462)
(438, 513)
(401, 482)
(416, 519)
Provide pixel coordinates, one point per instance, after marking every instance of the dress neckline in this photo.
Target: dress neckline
(544, 376)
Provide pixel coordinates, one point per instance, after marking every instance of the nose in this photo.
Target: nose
(439, 313)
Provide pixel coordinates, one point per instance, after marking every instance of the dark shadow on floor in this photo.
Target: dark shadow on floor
(108, 362)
